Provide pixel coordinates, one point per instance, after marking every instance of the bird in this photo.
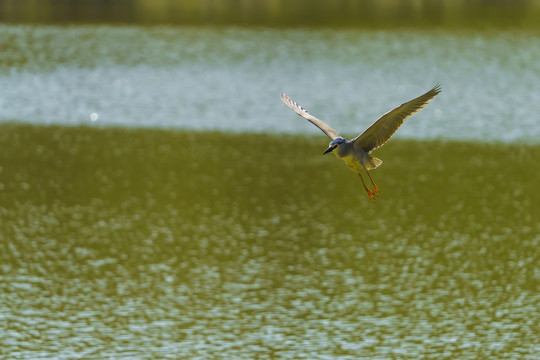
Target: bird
(357, 152)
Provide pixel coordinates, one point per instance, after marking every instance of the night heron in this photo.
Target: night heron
(357, 152)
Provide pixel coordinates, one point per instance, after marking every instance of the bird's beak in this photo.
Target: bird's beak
(328, 150)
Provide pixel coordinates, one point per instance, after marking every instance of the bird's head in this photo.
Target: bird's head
(334, 144)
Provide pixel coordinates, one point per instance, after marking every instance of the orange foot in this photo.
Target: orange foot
(370, 193)
(376, 189)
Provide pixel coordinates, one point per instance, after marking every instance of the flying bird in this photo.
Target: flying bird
(357, 152)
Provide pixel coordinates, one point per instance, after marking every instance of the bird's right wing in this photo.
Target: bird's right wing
(381, 130)
(331, 133)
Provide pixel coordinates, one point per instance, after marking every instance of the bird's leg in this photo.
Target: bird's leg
(369, 192)
(374, 185)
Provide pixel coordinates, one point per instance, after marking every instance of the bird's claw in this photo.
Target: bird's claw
(370, 193)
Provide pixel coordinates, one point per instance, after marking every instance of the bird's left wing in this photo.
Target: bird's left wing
(381, 130)
(331, 133)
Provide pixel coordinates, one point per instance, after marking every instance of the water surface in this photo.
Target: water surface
(230, 78)
(146, 244)
(170, 243)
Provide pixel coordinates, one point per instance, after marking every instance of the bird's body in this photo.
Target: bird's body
(356, 153)
(356, 159)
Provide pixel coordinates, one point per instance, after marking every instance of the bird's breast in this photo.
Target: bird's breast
(351, 158)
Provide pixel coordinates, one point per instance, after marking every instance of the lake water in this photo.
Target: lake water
(146, 244)
(230, 78)
(141, 241)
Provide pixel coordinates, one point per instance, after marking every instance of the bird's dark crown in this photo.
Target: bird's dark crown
(337, 141)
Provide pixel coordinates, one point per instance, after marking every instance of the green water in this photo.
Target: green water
(381, 13)
(152, 244)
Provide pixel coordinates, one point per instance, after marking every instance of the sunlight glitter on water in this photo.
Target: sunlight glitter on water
(200, 78)
(148, 244)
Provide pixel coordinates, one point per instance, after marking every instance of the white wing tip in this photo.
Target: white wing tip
(293, 105)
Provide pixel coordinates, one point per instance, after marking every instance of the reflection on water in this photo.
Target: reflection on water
(148, 244)
(381, 13)
(230, 79)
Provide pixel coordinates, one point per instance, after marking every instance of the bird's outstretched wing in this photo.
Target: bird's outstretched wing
(381, 130)
(332, 134)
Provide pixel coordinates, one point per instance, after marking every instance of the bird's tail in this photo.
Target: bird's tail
(373, 163)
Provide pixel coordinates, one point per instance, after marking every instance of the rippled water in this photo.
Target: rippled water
(146, 244)
(230, 79)
(129, 243)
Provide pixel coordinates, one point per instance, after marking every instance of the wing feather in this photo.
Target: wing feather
(331, 133)
(381, 130)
